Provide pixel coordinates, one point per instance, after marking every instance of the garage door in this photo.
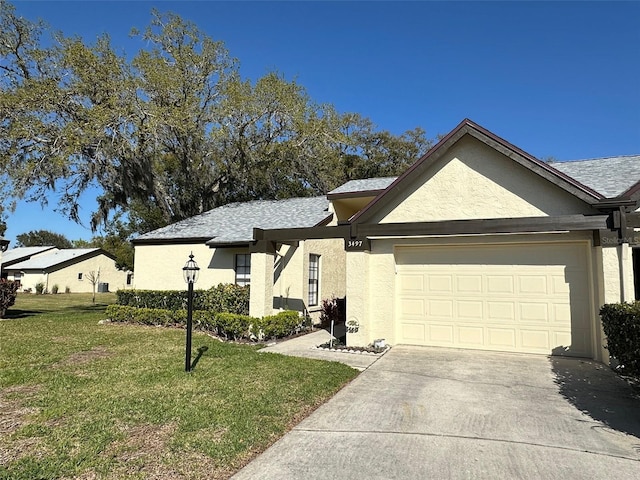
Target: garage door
(531, 298)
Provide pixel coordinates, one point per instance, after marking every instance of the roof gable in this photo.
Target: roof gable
(520, 160)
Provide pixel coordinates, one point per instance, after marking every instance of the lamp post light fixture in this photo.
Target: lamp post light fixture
(190, 273)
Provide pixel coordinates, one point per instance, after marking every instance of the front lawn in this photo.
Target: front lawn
(83, 400)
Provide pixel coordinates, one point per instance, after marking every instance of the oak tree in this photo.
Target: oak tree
(171, 131)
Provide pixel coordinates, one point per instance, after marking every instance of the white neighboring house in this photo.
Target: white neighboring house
(74, 270)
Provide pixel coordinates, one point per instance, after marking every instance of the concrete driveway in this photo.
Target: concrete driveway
(428, 413)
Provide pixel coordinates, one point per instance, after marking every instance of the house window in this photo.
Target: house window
(80, 276)
(243, 269)
(129, 278)
(314, 277)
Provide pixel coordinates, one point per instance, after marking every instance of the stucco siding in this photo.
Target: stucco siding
(262, 269)
(617, 274)
(473, 181)
(359, 327)
(332, 267)
(288, 278)
(159, 267)
(291, 275)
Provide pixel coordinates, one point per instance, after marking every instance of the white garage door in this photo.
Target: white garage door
(530, 298)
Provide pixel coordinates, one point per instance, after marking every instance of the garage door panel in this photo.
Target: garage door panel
(441, 334)
(532, 284)
(534, 312)
(535, 340)
(501, 311)
(469, 284)
(500, 284)
(413, 307)
(501, 338)
(527, 298)
(440, 309)
(471, 336)
(439, 283)
(412, 283)
(559, 285)
(414, 332)
(470, 310)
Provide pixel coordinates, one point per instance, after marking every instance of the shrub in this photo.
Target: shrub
(8, 292)
(277, 326)
(147, 316)
(228, 298)
(621, 324)
(67, 290)
(229, 325)
(201, 319)
(205, 320)
(54, 289)
(332, 309)
(39, 288)
(233, 325)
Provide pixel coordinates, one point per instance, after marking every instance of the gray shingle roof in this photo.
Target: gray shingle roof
(17, 254)
(364, 185)
(52, 259)
(234, 223)
(610, 176)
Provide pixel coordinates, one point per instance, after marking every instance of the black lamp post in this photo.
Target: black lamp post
(190, 273)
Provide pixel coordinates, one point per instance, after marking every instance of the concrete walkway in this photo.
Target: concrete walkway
(428, 413)
(304, 346)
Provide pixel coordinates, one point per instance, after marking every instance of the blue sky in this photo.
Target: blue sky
(556, 79)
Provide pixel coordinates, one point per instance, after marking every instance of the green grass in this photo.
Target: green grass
(83, 400)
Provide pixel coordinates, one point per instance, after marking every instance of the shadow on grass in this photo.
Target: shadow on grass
(14, 314)
(201, 351)
(598, 392)
(85, 308)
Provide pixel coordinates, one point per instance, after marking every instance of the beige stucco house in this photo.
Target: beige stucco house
(301, 272)
(481, 246)
(74, 269)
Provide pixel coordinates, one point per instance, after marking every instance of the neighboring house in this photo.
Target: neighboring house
(302, 273)
(479, 245)
(75, 269)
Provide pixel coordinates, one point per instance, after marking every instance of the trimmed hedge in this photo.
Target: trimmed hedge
(280, 325)
(234, 326)
(621, 324)
(225, 297)
(231, 326)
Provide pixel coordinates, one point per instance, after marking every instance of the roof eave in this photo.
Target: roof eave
(227, 244)
(170, 241)
(358, 194)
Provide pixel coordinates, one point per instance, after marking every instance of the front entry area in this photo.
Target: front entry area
(529, 298)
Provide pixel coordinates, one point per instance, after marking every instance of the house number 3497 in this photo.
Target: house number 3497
(356, 244)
